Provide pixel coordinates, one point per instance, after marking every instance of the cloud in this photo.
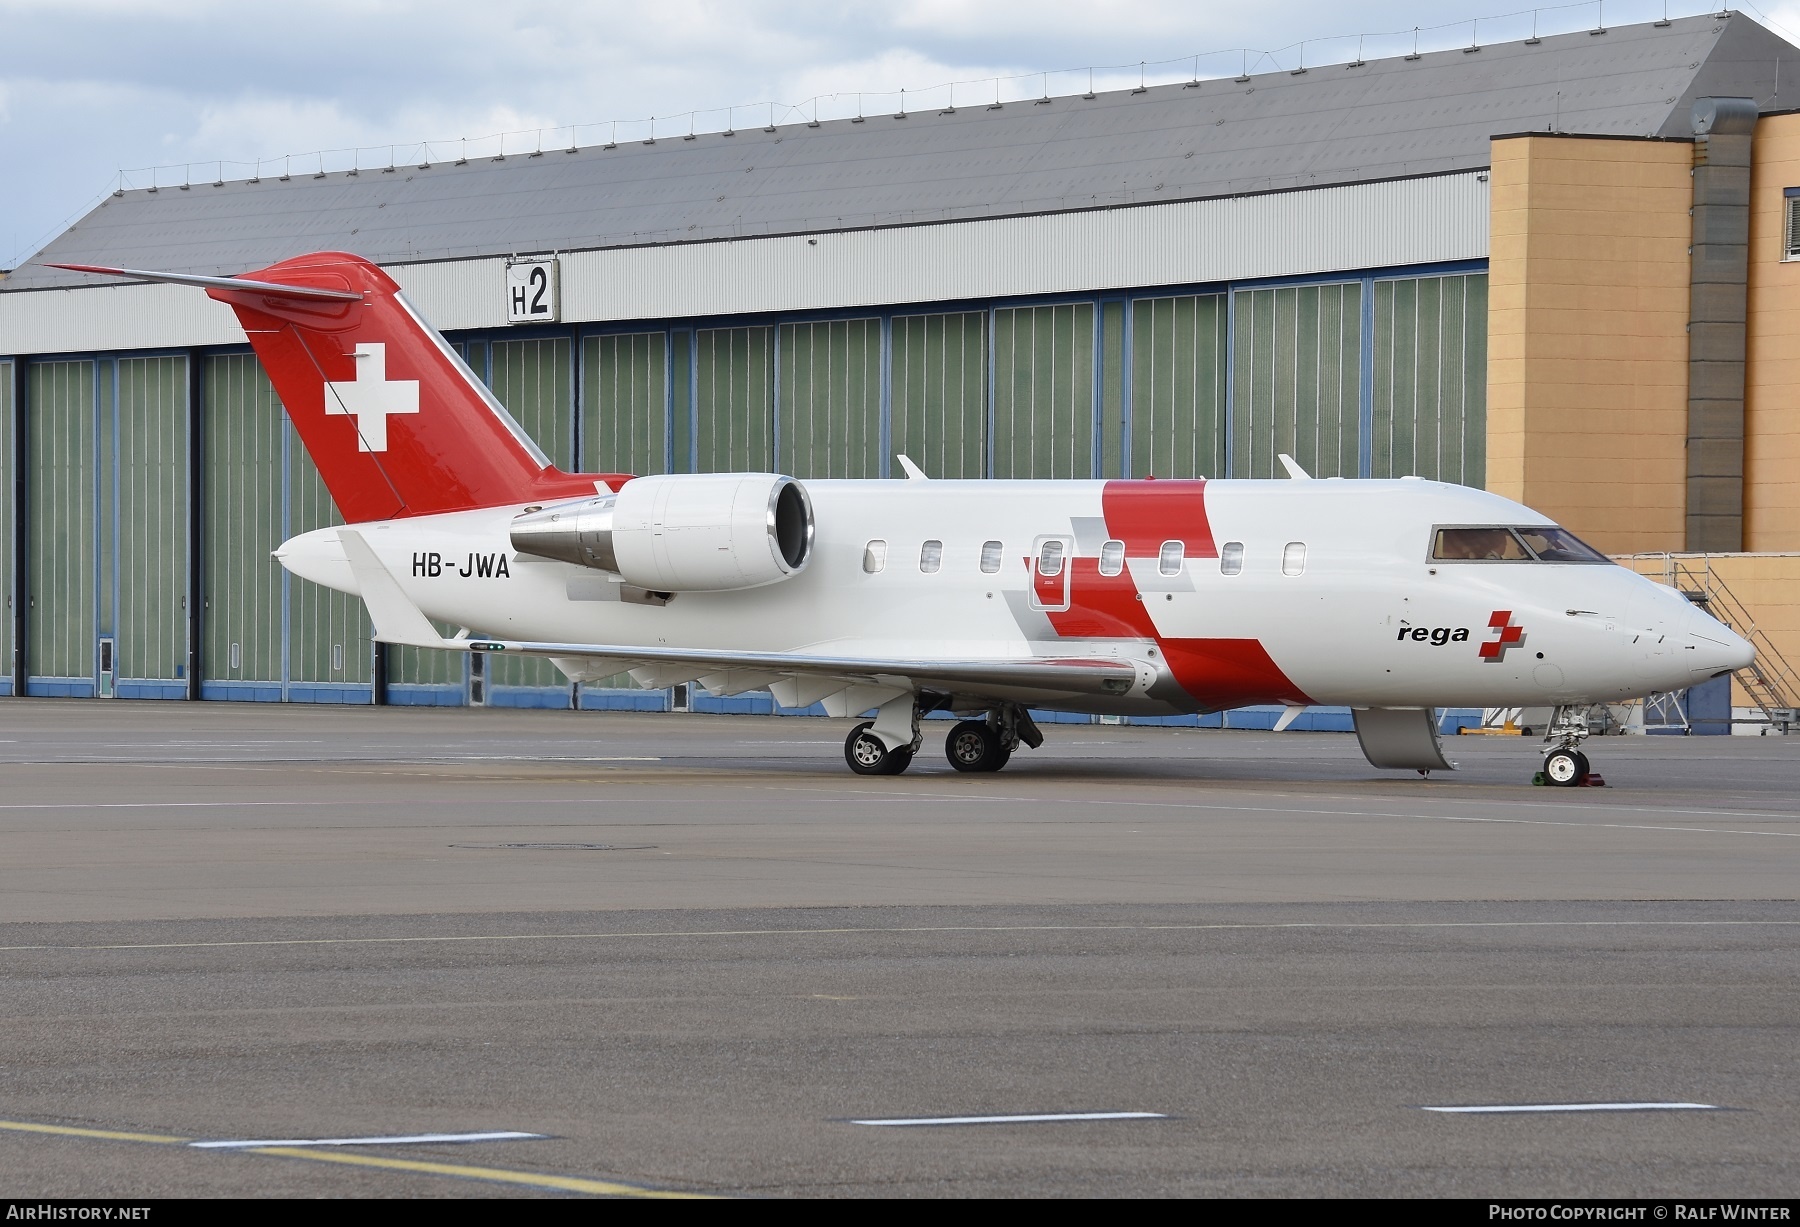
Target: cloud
(132, 83)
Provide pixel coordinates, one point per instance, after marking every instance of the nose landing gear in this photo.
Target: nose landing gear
(1565, 766)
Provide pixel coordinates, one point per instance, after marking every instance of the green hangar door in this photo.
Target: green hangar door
(830, 422)
(105, 465)
(267, 635)
(148, 559)
(61, 556)
(1429, 415)
(1043, 392)
(1178, 387)
(9, 670)
(939, 391)
(1297, 357)
(243, 614)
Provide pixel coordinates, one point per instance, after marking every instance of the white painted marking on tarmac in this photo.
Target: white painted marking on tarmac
(1320, 813)
(873, 930)
(1024, 1119)
(1481, 1109)
(407, 1139)
(291, 803)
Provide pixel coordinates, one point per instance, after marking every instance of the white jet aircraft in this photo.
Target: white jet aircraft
(980, 598)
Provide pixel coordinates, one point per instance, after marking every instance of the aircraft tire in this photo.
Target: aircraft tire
(866, 755)
(973, 746)
(1566, 768)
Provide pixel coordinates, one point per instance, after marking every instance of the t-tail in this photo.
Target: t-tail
(396, 422)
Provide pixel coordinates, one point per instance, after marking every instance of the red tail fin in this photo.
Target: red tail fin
(397, 424)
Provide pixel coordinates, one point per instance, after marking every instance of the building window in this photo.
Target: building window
(1168, 562)
(931, 557)
(874, 556)
(1791, 250)
(1231, 558)
(990, 557)
(1293, 558)
(1112, 558)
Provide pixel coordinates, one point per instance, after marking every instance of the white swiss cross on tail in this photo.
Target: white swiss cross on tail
(372, 397)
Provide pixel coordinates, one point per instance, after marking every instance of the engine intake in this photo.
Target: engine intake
(681, 532)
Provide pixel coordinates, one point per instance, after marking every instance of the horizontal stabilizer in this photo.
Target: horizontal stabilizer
(272, 288)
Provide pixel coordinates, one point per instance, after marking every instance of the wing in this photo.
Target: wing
(1025, 679)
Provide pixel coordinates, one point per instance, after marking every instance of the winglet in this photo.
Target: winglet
(913, 471)
(1293, 469)
(396, 618)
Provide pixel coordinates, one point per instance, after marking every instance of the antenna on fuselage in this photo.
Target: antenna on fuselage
(1293, 469)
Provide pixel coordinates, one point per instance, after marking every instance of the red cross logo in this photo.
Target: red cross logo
(1501, 621)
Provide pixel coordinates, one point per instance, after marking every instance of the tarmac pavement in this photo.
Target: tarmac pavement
(691, 952)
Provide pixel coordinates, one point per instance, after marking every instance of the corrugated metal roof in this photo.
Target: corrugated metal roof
(1383, 120)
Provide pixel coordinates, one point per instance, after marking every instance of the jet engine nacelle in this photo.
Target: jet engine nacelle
(681, 532)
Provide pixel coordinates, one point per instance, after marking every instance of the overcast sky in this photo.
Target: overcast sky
(90, 88)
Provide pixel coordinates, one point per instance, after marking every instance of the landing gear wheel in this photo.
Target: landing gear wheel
(973, 746)
(1566, 768)
(868, 756)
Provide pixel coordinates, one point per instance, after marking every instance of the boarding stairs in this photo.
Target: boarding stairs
(1770, 682)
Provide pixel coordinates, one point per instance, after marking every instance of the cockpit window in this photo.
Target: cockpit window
(1479, 545)
(1532, 543)
(1560, 545)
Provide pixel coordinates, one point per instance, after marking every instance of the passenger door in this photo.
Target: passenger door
(1052, 560)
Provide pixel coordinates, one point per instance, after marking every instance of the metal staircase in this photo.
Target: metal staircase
(1770, 682)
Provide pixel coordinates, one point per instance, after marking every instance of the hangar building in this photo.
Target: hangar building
(1523, 266)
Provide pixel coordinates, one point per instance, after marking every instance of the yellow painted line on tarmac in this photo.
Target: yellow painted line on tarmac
(501, 1175)
(110, 1135)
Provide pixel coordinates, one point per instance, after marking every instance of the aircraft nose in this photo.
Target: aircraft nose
(1715, 648)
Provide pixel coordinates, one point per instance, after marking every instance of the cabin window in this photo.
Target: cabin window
(990, 557)
(874, 556)
(1231, 558)
(931, 557)
(1169, 560)
(1293, 558)
(1112, 558)
(1050, 558)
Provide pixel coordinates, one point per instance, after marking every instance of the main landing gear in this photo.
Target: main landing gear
(1565, 766)
(868, 755)
(982, 744)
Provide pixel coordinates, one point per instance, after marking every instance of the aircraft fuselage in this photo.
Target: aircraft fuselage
(1335, 598)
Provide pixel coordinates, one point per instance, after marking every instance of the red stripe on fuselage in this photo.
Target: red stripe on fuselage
(1222, 673)
(1216, 673)
(1144, 514)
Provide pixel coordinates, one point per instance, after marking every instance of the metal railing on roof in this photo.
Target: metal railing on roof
(986, 93)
